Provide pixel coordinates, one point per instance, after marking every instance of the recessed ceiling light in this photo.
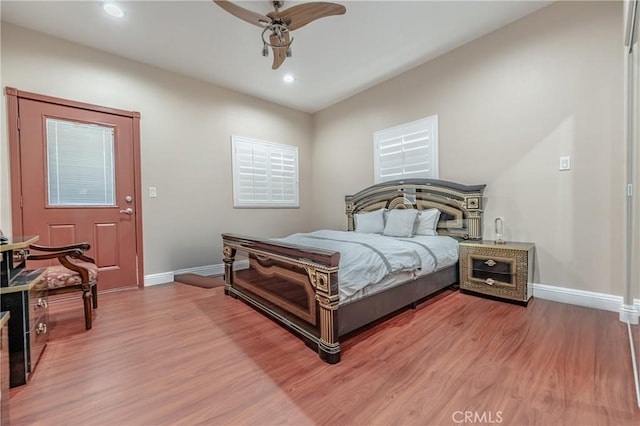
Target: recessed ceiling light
(288, 78)
(113, 10)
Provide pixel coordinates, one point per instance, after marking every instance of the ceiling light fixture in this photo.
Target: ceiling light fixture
(288, 78)
(278, 39)
(113, 10)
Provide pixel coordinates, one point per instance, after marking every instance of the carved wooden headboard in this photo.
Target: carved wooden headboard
(460, 205)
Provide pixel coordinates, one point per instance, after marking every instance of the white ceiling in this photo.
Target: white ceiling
(333, 58)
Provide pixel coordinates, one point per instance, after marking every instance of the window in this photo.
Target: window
(265, 174)
(80, 164)
(409, 150)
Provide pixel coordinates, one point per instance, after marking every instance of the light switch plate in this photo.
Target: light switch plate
(565, 163)
(152, 192)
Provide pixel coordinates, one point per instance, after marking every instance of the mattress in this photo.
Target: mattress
(370, 263)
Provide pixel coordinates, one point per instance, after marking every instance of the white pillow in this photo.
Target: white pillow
(427, 222)
(401, 223)
(370, 222)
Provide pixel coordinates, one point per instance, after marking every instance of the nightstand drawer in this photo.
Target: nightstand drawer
(38, 305)
(38, 319)
(492, 270)
(498, 270)
(491, 265)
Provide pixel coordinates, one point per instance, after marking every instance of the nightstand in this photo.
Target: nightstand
(499, 270)
(23, 294)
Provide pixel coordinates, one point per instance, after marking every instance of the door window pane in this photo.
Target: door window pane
(80, 163)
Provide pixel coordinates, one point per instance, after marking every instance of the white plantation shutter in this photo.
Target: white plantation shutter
(265, 174)
(409, 150)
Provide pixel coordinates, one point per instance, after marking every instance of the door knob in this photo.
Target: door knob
(128, 210)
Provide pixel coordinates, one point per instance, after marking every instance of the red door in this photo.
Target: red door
(77, 182)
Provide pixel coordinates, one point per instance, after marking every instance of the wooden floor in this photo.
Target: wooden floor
(176, 354)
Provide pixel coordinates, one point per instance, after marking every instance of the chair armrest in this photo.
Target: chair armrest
(80, 246)
(75, 251)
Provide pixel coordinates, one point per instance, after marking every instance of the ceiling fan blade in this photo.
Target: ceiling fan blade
(300, 15)
(279, 53)
(244, 14)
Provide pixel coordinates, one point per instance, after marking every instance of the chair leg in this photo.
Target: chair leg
(86, 296)
(94, 293)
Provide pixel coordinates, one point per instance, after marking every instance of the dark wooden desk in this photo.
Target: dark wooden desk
(24, 296)
(4, 369)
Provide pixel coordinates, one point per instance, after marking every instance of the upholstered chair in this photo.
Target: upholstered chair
(75, 272)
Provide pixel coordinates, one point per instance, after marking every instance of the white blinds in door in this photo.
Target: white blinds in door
(407, 151)
(264, 174)
(80, 164)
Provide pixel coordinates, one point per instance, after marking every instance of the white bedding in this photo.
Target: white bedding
(367, 259)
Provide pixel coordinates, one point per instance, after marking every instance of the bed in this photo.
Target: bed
(295, 280)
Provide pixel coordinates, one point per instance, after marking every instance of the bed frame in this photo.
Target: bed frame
(298, 285)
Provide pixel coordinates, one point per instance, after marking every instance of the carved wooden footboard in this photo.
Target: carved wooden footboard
(296, 285)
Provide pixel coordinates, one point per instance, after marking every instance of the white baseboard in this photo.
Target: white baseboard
(630, 313)
(155, 279)
(208, 270)
(589, 299)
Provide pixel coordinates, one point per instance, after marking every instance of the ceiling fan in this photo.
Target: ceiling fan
(279, 23)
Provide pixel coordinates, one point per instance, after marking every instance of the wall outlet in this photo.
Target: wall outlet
(152, 192)
(565, 163)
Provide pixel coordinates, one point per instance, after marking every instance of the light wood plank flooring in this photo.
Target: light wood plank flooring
(180, 355)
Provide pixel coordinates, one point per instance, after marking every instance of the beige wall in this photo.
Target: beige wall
(509, 105)
(186, 127)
